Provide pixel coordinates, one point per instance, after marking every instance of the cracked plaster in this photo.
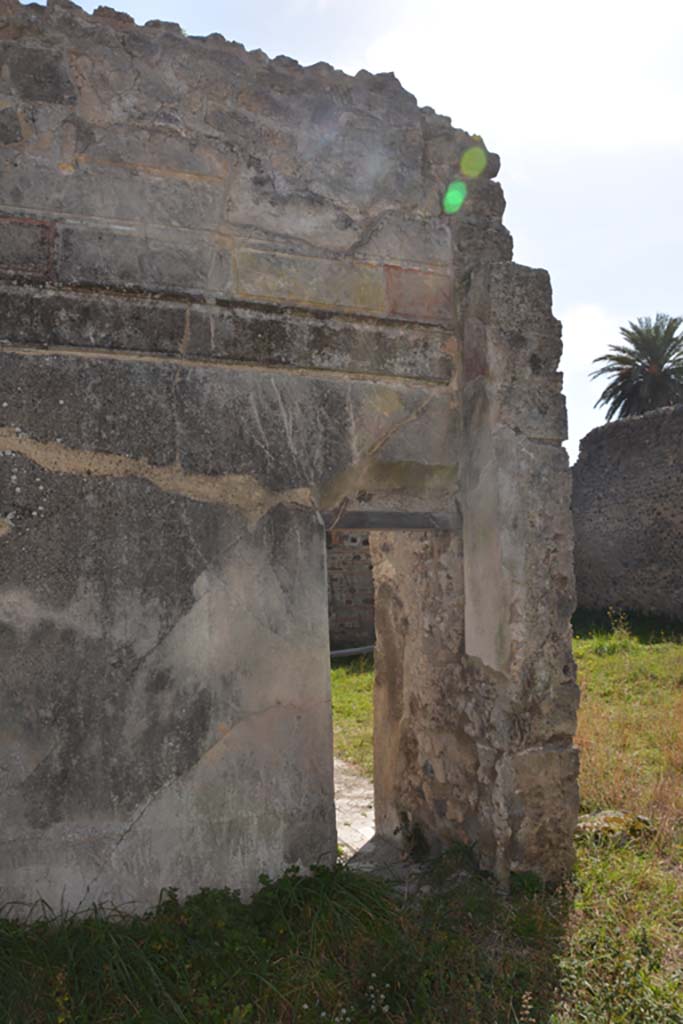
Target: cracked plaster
(232, 309)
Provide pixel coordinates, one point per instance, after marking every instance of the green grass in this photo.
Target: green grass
(606, 949)
(352, 688)
(631, 727)
(307, 948)
(622, 947)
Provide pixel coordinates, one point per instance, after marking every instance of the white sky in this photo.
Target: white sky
(583, 99)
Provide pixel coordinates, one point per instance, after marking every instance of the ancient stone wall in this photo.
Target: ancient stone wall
(628, 515)
(233, 313)
(475, 679)
(351, 594)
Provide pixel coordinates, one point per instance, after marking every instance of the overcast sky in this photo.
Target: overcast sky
(584, 102)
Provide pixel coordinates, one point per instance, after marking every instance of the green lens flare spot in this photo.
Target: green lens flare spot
(473, 162)
(454, 197)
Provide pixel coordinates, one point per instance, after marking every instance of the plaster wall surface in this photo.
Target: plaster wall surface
(628, 515)
(232, 314)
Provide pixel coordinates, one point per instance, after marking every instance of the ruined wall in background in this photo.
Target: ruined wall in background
(628, 515)
(351, 595)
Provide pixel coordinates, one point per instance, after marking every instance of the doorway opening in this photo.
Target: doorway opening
(352, 639)
(400, 718)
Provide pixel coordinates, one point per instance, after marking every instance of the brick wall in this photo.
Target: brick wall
(350, 589)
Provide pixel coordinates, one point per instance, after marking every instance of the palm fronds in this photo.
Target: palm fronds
(646, 371)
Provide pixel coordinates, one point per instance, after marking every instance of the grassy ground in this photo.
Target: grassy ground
(338, 947)
(623, 919)
(352, 689)
(631, 726)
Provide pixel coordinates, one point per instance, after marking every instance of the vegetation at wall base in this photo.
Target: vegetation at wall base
(592, 624)
(338, 946)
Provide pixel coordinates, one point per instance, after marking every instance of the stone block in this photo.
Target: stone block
(537, 409)
(520, 298)
(129, 409)
(478, 241)
(122, 195)
(151, 147)
(310, 281)
(100, 256)
(322, 342)
(516, 303)
(397, 237)
(44, 317)
(26, 246)
(261, 202)
(137, 196)
(419, 295)
(287, 431)
(259, 426)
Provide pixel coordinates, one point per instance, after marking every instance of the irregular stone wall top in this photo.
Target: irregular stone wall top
(142, 162)
(628, 514)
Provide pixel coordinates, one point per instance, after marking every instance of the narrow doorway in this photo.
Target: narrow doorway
(352, 638)
(398, 715)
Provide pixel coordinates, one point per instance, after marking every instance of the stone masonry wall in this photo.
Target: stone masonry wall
(233, 313)
(476, 694)
(350, 589)
(225, 303)
(628, 515)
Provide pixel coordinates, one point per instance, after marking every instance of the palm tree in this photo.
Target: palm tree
(646, 371)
